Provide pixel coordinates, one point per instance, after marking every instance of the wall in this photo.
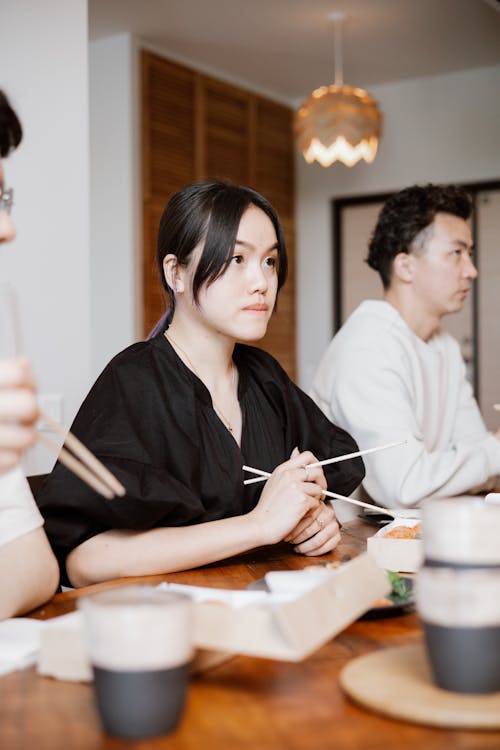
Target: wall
(441, 129)
(115, 197)
(43, 61)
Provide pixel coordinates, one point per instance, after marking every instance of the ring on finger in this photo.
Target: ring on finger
(306, 469)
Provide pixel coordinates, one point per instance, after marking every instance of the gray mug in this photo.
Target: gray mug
(458, 593)
(139, 642)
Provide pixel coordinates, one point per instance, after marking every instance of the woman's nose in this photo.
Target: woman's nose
(257, 278)
(7, 228)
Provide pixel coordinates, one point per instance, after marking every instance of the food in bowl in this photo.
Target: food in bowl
(405, 532)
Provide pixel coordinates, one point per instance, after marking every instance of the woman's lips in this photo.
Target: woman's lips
(257, 308)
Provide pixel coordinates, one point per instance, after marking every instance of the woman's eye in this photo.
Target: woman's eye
(237, 259)
(271, 262)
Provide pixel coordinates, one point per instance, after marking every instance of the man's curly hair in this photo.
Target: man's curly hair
(404, 215)
(11, 131)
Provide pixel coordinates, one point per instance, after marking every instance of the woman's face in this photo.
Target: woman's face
(7, 230)
(240, 302)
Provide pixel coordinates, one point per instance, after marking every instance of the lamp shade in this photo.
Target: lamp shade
(338, 123)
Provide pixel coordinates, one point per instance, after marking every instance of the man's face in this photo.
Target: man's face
(7, 229)
(443, 271)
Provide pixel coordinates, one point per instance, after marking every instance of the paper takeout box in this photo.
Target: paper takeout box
(398, 555)
(287, 624)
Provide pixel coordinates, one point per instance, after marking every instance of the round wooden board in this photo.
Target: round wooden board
(397, 682)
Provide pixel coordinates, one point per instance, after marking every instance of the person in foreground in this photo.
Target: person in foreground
(28, 569)
(175, 418)
(392, 373)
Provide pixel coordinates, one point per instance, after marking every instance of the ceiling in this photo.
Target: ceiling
(284, 48)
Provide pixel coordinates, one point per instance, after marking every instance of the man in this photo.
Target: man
(28, 569)
(391, 373)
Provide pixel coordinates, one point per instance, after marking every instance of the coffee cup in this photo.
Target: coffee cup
(458, 593)
(139, 644)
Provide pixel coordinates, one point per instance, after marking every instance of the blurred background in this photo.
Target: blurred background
(125, 101)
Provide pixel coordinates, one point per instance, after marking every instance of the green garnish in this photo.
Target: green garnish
(400, 586)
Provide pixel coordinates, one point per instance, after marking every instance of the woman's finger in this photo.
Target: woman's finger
(323, 541)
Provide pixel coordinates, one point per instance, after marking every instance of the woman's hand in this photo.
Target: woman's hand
(18, 410)
(317, 533)
(292, 492)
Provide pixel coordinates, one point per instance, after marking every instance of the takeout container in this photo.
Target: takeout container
(398, 555)
(285, 625)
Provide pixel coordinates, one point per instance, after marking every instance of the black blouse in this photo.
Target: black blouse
(151, 421)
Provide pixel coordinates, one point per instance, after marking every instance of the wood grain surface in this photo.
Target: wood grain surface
(244, 703)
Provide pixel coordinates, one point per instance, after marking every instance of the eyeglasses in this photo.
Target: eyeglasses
(6, 199)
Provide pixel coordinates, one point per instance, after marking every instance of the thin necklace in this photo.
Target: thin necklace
(217, 408)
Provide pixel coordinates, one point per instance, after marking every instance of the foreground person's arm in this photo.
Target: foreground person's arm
(285, 500)
(29, 574)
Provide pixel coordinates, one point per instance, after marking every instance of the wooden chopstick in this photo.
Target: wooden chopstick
(334, 495)
(263, 475)
(66, 458)
(90, 466)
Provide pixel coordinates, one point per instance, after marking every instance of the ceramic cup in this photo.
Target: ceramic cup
(139, 642)
(458, 593)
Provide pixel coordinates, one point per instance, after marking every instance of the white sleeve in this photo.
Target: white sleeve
(370, 395)
(19, 513)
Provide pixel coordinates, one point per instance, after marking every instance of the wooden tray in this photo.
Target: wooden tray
(397, 682)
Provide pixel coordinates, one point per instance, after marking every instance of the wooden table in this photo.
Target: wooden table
(244, 703)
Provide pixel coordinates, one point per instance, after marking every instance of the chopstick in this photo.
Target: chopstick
(263, 475)
(335, 495)
(89, 469)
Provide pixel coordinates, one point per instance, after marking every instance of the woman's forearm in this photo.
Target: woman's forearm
(29, 574)
(118, 554)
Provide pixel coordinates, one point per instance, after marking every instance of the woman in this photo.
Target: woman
(177, 417)
(28, 569)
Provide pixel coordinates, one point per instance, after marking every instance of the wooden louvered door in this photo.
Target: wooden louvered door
(226, 134)
(196, 127)
(169, 159)
(274, 178)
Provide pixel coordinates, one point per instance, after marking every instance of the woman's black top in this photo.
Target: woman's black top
(150, 420)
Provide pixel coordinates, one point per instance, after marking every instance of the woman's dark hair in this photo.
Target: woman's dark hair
(211, 212)
(404, 215)
(11, 131)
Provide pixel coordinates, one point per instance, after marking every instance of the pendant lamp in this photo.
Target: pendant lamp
(338, 122)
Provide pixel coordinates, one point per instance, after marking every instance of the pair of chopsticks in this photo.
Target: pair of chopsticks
(83, 463)
(263, 475)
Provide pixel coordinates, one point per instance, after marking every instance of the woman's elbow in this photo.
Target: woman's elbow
(80, 567)
(93, 561)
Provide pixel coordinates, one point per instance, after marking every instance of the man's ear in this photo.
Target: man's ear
(403, 267)
(173, 276)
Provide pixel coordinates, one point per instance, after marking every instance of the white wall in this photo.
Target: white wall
(43, 64)
(440, 129)
(115, 198)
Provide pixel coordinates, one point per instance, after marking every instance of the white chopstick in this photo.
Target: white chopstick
(263, 475)
(336, 496)
(352, 500)
(88, 468)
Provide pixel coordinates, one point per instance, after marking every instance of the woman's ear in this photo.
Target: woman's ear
(402, 267)
(172, 275)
